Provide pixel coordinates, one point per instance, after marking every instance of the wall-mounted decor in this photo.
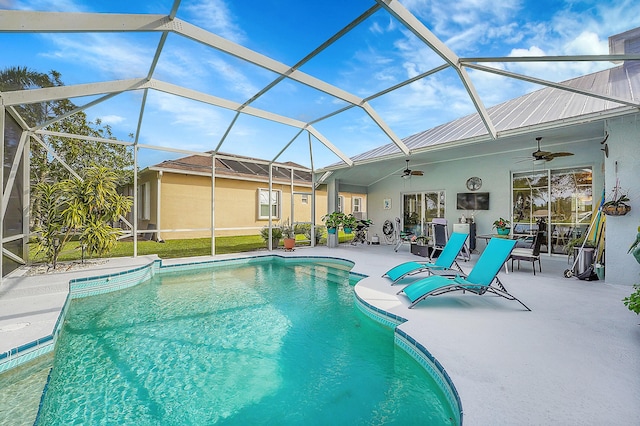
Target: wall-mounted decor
(387, 203)
(472, 201)
(474, 183)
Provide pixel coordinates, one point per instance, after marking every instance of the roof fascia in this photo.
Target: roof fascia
(566, 58)
(225, 176)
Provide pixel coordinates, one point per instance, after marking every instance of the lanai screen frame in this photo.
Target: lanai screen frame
(52, 22)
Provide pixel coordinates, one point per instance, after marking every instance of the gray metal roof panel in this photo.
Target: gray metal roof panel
(544, 105)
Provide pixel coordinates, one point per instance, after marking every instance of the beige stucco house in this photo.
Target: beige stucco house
(174, 197)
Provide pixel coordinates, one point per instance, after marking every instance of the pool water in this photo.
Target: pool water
(261, 343)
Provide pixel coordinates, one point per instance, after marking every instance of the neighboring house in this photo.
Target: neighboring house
(174, 196)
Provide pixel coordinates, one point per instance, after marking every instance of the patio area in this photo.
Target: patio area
(572, 360)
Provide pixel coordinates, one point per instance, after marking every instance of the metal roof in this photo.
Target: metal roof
(236, 166)
(545, 106)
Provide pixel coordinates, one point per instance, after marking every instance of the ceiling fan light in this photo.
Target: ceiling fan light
(406, 176)
(539, 161)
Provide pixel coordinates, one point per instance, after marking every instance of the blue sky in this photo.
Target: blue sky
(377, 54)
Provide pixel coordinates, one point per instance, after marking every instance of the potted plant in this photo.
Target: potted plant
(332, 221)
(502, 226)
(289, 236)
(349, 222)
(276, 235)
(617, 206)
(420, 246)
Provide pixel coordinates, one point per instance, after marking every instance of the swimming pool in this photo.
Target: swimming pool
(264, 342)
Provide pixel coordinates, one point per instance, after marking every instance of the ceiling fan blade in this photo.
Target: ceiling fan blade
(559, 154)
(540, 154)
(417, 173)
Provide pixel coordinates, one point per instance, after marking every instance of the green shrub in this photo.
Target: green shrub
(633, 301)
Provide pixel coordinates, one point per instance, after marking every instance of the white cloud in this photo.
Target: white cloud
(215, 16)
(587, 43)
(109, 53)
(113, 119)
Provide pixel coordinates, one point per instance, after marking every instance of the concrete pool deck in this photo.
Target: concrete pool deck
(573, 360)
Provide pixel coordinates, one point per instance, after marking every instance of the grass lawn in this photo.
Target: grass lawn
(178, 248)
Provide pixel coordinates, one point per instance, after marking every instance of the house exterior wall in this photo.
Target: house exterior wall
(495, 172)
(186, 204)
(623, 165)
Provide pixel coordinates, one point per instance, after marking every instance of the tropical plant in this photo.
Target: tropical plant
(78, 207)
(305, 229)
(287, 230)
(501, 223)
(633, 301)
(349, 221)
(276, 233)
(333, 220)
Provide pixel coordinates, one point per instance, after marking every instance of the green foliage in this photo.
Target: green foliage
(501, 223)
(349, 221)
(633, 301)
(333, 220)
(305, 229)
(276, 233)
(77, 153)
(83, 207)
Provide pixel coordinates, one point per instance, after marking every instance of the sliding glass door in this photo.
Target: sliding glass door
(419, 209)
(562, 199)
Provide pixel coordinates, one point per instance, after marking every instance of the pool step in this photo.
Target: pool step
(331, 275)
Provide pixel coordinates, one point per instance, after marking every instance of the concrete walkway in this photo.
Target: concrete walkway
(573, 360)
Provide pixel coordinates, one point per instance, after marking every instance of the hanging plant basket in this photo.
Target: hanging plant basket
(613, 210)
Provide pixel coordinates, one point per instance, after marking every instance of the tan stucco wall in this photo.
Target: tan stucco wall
(186, 203)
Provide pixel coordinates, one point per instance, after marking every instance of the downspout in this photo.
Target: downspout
(213, 204)
(134, 222)
(270, 206)
(158, 205)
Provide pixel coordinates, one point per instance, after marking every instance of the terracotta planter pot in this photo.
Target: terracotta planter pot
(289, 243)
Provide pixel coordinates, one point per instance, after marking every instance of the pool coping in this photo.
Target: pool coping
(94, 285)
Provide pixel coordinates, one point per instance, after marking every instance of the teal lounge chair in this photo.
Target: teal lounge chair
(479, 280)
(444, 262)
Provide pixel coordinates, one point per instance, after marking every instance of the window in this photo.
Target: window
(341, 204)
(356, 204)
(420, 209)
(263, 204)
(144, 201)
(562, 197)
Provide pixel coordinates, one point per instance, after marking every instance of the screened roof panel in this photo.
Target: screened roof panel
(196, 66)
(302, 102)
(223, 53)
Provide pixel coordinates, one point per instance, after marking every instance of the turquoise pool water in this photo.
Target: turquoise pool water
(261, 343)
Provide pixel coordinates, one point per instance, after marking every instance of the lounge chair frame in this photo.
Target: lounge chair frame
(496, 254)
(414, 268)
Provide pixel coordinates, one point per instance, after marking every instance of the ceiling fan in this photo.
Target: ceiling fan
(407, 173)
(542, 156)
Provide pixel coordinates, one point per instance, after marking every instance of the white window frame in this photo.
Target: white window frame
(356, 205)
(277, 194)
(341, 203)
(305, 199)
